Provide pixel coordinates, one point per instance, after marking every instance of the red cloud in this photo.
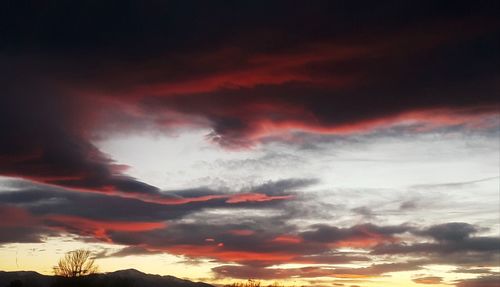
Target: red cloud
(287, 239)
(261, 69)
(219, 253)
(241, 232)
(228, 198)
(13, 216)
(98, 228)
(255, 197)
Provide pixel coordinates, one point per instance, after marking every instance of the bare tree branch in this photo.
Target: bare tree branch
(76, 263)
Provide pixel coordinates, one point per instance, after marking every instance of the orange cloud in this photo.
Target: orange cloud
(241, 232)
(287, 239)
(218, 252)
(429, 280)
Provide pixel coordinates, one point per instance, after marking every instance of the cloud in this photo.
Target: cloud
(127, 251)
(245, 272)
(357, 236)
(18, 225)
(219, 242)
(74, 74)
(57, 104)
(44, 207)
(485, 281)
(147, 228)
(364, 211)
(47, 143)
(400, 73)
(454, 231)
(428, 280)
(253, 242)
(98, 228)
(453, 184)
(473, 270)
(259, 246)
(408, 205)
(453, 244)
(477, 244)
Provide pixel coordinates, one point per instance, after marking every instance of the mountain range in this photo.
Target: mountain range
(122, 278)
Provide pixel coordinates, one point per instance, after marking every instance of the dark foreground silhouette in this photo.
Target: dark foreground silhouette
(122, 278)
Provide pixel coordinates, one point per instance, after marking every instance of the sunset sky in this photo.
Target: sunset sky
(316, 143)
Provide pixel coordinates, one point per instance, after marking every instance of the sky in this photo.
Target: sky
(324, 143)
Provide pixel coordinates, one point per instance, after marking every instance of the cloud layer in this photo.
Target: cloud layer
(249, 74)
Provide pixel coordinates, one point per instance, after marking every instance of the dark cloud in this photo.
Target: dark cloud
(333, 258)
(36, 211)
(475, 244)
(475, 251)
(47, 142)
(473, 270)
(259, 242)
(454, 231)
(127, 251)
(77, 72)
(247, 242)
(244, 272)
(281, 186)
(408, 205)
(313, 78)
(454, 243)
(366, 232)
(18, 225)
(485, 281)
(43, 199)
(149, 227)
(364, 211)
(141, 27)
(50, 210)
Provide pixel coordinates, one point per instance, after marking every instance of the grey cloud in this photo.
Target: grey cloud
(408, 205)
(326, 233)
(453, 231)
(43, 199)
(364, 211)
(130, 250)
(278, 187)
(454, 243)
(455, 185)
(43, 203)
(484, 281)
(475, 270)
(477, 244)
(243, 272)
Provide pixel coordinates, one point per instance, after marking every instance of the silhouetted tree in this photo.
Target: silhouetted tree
(76, 263)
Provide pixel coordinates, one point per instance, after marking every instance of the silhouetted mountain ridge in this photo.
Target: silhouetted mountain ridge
(121, 278)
